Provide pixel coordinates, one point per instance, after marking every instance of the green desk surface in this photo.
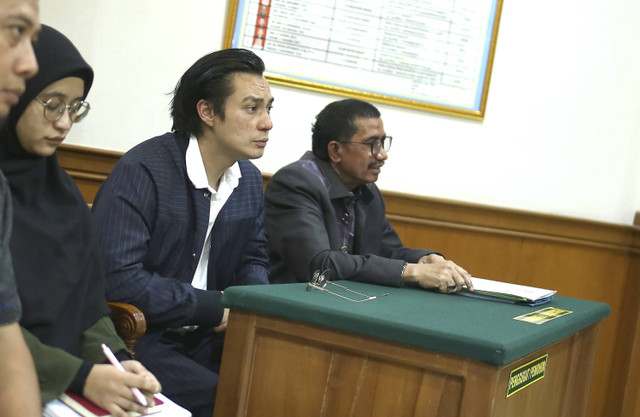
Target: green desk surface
(478, 329)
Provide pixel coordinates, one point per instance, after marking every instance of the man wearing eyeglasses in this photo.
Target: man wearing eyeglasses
(324, 211)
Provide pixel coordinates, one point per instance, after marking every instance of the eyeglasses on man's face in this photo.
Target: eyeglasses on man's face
(54, 109)
(376, 145)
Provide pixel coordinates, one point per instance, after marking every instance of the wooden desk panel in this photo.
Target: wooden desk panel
(280, 367)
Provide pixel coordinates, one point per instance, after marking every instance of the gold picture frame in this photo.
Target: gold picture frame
(424, 57)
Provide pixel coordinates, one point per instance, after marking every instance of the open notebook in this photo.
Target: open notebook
(71, 405)
(510, 293)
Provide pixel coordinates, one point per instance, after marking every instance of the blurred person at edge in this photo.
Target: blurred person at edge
(19, 397)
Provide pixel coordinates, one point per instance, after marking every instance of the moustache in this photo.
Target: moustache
(376, 165)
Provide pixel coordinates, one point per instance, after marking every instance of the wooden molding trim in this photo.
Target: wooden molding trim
(506, 220)
(619, 244)
(83, 159)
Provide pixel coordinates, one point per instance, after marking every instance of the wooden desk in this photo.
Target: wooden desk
(289, 352)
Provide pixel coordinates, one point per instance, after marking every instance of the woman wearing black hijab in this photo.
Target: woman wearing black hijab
(58, 268)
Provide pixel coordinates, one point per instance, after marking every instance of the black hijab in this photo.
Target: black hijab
(57, 264)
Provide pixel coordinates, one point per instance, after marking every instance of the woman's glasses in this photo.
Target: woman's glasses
(54, 109)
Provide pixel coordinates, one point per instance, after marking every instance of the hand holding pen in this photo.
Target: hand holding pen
(114, 361)
(111, 389)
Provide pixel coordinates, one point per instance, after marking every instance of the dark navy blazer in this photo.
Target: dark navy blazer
(303, 235)
(152, 222)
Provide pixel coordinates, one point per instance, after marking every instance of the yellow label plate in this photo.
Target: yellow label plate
(527, 374)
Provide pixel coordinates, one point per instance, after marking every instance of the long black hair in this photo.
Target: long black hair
(209, 79)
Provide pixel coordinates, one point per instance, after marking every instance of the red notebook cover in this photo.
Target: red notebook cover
(89, 409)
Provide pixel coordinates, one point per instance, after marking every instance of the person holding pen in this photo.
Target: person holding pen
(58, 267)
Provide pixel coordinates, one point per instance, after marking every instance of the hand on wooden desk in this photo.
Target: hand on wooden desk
(435, 272)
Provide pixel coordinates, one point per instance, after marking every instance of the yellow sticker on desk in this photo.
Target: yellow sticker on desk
(543, 316)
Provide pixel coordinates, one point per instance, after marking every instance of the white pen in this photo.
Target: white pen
(114, 361)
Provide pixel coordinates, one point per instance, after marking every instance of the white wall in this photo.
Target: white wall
(561, 132)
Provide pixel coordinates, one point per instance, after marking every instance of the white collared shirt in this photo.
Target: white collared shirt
(198, 177)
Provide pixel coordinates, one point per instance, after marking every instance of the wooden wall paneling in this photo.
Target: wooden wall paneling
(89, 167)
(628, 346)
(503, 220)
(481, 254)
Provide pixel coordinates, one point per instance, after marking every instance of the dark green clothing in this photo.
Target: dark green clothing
(56, 368)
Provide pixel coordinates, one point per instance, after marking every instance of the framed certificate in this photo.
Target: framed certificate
(434, 55)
